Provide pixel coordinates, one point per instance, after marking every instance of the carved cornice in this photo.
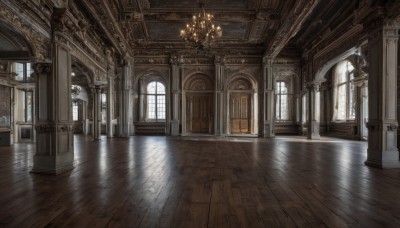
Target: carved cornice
(291, 25)
(100, 10)
(38, 41)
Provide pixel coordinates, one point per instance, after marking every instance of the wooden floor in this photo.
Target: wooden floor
(156, 181)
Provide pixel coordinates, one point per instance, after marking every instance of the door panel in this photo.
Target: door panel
(240, 113)
(199, 113)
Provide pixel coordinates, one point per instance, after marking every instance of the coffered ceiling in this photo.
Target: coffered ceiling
(261, 27)
(158, 22)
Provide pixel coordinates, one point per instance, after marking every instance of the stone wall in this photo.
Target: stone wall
(5, 106)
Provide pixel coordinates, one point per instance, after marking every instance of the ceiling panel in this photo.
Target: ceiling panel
(233, 30)
(221, 4)
(164, 30)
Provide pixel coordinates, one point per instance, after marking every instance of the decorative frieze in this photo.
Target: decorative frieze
(39, 42)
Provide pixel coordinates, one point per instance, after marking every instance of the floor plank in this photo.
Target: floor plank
(156, 181)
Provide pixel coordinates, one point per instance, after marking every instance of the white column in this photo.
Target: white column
(382, 87)
(125, 110)
(110, 106)
(268, 98)
(313, 111)
(96, 90)
(175, 90)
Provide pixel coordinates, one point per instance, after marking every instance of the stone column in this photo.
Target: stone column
(54, 124)
(218, 95)
(268, 98)
(382, 87)
(96, 91)
(175, 92)
(313, 111)
(110, 106)
(125, 110)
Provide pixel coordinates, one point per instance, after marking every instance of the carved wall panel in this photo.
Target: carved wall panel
(240, 84)
(198, 82)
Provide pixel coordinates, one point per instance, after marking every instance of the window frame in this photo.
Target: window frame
(279, 93)
(145, 106)
(350, 100)
(26, 71)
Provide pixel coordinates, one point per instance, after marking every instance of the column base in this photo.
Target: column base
(383, 159)
(53, 165)
(175, 128)
(268, 131)
(313, 131)
(383, 165)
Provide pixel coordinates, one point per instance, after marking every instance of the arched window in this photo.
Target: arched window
(281, 101)
(344, 98)
(155, 101)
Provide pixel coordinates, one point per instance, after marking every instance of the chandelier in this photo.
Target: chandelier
(75, 90)
(201, 33)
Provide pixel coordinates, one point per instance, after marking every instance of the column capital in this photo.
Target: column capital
(176, 60)
(42, 67)
(219, 60)
(313, 86)
(96, 89)
(267, 61)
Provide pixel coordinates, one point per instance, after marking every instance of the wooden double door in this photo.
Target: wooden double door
(240, 113)
(199, 113)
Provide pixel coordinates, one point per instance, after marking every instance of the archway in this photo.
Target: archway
(198, 110)
(17, 89)
(151, 104)
(343, 99)
(242, 113)
(81, 96)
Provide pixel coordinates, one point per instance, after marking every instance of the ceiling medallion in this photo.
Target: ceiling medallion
(201, 33)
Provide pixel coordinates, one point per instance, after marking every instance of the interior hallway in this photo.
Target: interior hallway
(201, 182)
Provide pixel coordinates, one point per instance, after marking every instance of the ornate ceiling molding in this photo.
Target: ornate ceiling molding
(38, 41)
(291, 25)
(100, 10)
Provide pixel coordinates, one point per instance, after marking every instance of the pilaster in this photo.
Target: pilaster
(268, 98)
(110, 106)
(314, 111)
(218, 96)
(125, 109)
(175, 93)
(96, 91)
(382, 87)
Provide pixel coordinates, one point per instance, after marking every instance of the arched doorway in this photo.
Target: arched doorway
(198, 110)
(82, 99)
(241, 115)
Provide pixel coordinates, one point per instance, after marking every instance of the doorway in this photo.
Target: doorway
(199, 113)
(240, 113)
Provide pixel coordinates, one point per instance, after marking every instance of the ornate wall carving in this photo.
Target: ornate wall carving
(198, 82)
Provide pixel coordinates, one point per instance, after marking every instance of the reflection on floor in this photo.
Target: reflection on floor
(148, 181)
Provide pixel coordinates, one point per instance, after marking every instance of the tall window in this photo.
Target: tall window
(344, 92)
(27, 106)
(75, 111)
(23, 71)
(155, 101)
(281, 101)
(103, 107)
